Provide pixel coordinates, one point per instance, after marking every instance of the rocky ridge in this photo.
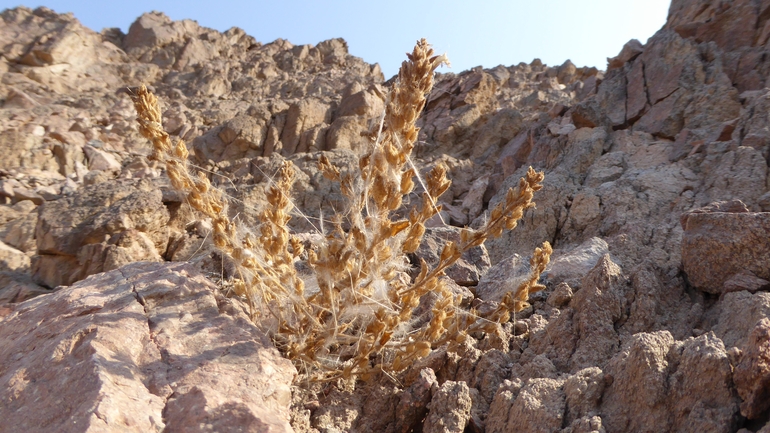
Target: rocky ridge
(656, 198)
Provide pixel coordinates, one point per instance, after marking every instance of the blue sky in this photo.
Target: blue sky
(484, 32)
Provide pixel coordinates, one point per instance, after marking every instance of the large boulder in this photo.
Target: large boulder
(98, 229)
(144, 348)
(722, 240)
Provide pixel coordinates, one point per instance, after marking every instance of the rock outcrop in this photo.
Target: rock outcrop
(656, 199)
(726, 248)
(143, 348)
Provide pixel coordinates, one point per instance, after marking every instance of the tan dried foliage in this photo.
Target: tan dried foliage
(354, 315)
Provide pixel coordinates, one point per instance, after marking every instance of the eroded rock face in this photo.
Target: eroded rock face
(752, 374)
(686, 385)
(722, 241)
(450, 408)
(144, 348)
(99, 229)
(620, 339)
(536, 405)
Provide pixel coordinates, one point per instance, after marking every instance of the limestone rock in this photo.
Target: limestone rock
(345, 134)
(100, 160)
(20, 233)
(368, 104)
(23, 150)
(561, 295)
(701, 395)
(670, 127)
(730, 27)
(241, 137)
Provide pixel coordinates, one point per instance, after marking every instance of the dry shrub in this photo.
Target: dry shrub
(354, 314)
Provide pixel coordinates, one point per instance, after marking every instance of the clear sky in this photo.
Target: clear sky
(482, 32)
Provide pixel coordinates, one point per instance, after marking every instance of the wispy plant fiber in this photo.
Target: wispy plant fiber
(355, 315)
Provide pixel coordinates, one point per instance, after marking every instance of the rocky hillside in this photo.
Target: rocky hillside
(656, 199)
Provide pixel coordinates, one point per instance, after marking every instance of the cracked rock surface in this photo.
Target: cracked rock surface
(147, 347)
(656, 200)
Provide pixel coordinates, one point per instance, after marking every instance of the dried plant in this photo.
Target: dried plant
(355, 314)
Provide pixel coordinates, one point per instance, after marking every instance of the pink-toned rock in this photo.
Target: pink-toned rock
(18, 287)
(589, 114)
(700, 395)
(641, 366)
(745, 280)
(449, 410)
(25, 150)
(501, 128)
(636, 91)
(534, 406)
(567, 72)
(724, 239)
(503, 277)
(752, 374)
(599, 305)
(73, 45)
(583, 392)
(151, 30)
(665, 118)
(473, 202)
(244, 135)
(74, 138)
(739, 313)
(611, 96)
(670, 61)
(345, 133)
(144, 348)
(7, 186)
(755, 128)
(730, 25)
(671, 126)
(413, 403)
(514, 153)
(571, 263)
(658, 384)
(630, 51)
